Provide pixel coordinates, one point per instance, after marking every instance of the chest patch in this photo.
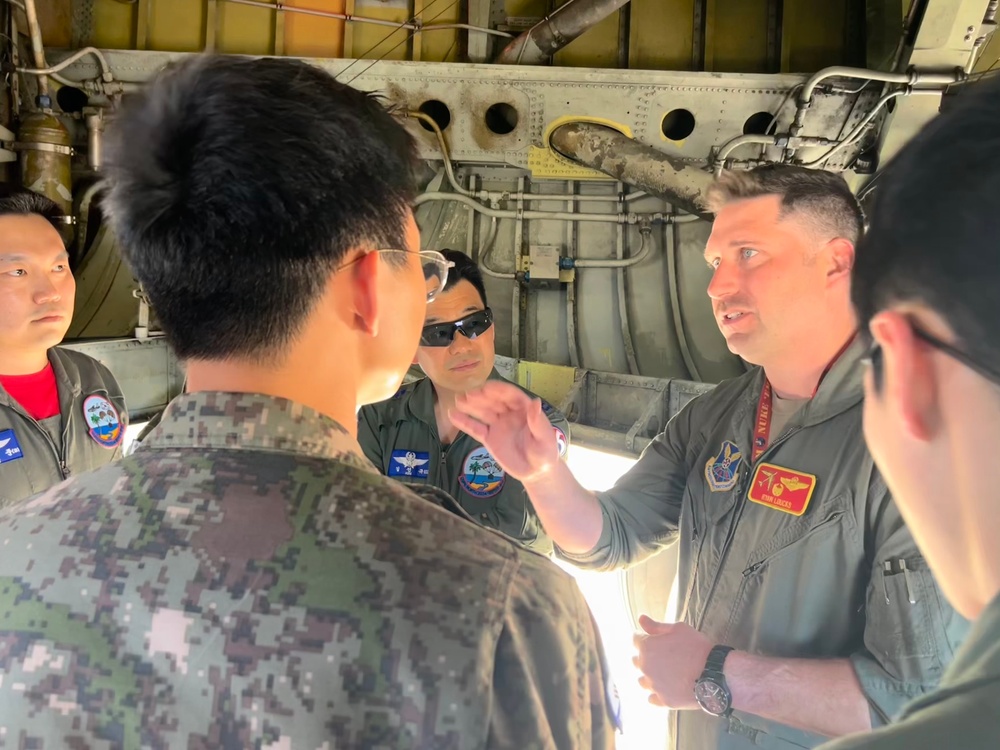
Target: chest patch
(410, 464)
(103, 422)
(782, 489)
(721, 471)
(481, 474)
(561, 441)
(10, 449)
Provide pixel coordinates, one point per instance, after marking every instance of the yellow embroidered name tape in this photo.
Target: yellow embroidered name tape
(782, 489)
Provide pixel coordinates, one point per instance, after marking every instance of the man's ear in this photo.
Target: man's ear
(840, 259)
(909, 379)
(363, 278)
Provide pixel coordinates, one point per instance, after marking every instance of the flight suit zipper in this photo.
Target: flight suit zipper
(742, 488)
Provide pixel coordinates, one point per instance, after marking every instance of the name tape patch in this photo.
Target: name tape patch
(10, 449)
(782, 489)
(414, 464)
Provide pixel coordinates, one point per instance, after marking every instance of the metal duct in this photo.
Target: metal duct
(556, 30)
(607, 150)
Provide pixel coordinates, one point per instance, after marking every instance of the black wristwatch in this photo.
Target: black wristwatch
(711, 690)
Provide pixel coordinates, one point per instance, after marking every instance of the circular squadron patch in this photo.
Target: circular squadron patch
(481, 474)
(103, 421)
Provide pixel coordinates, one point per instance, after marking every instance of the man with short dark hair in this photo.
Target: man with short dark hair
(245, 578)
(788, 536)
(410, 437)
(926, 290)
(61, 412)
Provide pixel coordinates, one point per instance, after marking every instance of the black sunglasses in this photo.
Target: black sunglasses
(873, 357)
(471, 326)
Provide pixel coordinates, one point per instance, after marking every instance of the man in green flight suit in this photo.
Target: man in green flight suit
(925, 290)
(411, 437)
(62, 413)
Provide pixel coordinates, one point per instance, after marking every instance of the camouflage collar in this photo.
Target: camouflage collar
(251, 421)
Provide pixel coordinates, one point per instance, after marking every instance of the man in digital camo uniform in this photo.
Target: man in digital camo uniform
(410, 437)
(245, 578)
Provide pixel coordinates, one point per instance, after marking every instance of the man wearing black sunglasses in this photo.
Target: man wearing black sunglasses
(411, 436)
(926, 290)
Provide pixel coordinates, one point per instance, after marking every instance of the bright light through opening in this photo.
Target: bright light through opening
(645, 725)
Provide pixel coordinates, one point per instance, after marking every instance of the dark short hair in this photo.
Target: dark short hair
(822, 196)
(935, 224)
(465, 269)
(236, 186)
(18, 201)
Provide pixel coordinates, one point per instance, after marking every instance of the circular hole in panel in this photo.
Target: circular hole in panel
(437, 111)
(501, 118)
(71, 99)
(759, 124)
(677, 124)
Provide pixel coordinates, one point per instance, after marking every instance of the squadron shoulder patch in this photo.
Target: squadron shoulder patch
(481, 475)
(782, 489)
(413, 464)
(103, 422)
(561, 441)
(10, 449)
(721, 472)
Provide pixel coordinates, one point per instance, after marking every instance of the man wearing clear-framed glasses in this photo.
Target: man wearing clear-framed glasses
(411, 437)
(925, 290)
(246, 578)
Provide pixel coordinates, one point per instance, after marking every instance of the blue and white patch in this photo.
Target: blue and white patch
(481, 474)
(103, 422)
(547, 409)
(721, 472)
(10, 449)
(413, 464)
(562, 441)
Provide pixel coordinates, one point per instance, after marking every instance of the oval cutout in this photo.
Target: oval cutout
(760, 123)
(437, 111)
(501, 118)
(677, 124)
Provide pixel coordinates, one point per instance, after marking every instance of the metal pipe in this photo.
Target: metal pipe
(350, 18)
(672, 238)
(556, 30)
(95, 141)
(912, 77)
(630, 358)
(484, 253)
(859, 129)
(618, 218)
(571, 312)
(644, 249)
(613, 153)
(38, 50)
(41, 70)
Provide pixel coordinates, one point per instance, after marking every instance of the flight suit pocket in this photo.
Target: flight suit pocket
(904, 614)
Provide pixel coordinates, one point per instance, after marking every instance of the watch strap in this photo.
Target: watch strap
(717, 659)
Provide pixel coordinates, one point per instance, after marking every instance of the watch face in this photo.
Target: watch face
(712, 697)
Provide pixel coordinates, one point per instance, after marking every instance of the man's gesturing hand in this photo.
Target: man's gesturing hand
(671, 659)
(512, 427)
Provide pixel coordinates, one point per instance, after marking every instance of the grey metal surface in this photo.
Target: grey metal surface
(147, 371)
(635, 100)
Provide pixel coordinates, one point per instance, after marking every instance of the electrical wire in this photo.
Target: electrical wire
(856, 134)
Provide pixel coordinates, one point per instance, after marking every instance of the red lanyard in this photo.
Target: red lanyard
(762, 427)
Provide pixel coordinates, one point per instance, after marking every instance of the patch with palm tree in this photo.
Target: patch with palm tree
(481, 474)
(103, 421)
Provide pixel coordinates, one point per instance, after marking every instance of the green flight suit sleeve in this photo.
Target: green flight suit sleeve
(550, 684)
(369, 431)
(642, 511)
(911, 632)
